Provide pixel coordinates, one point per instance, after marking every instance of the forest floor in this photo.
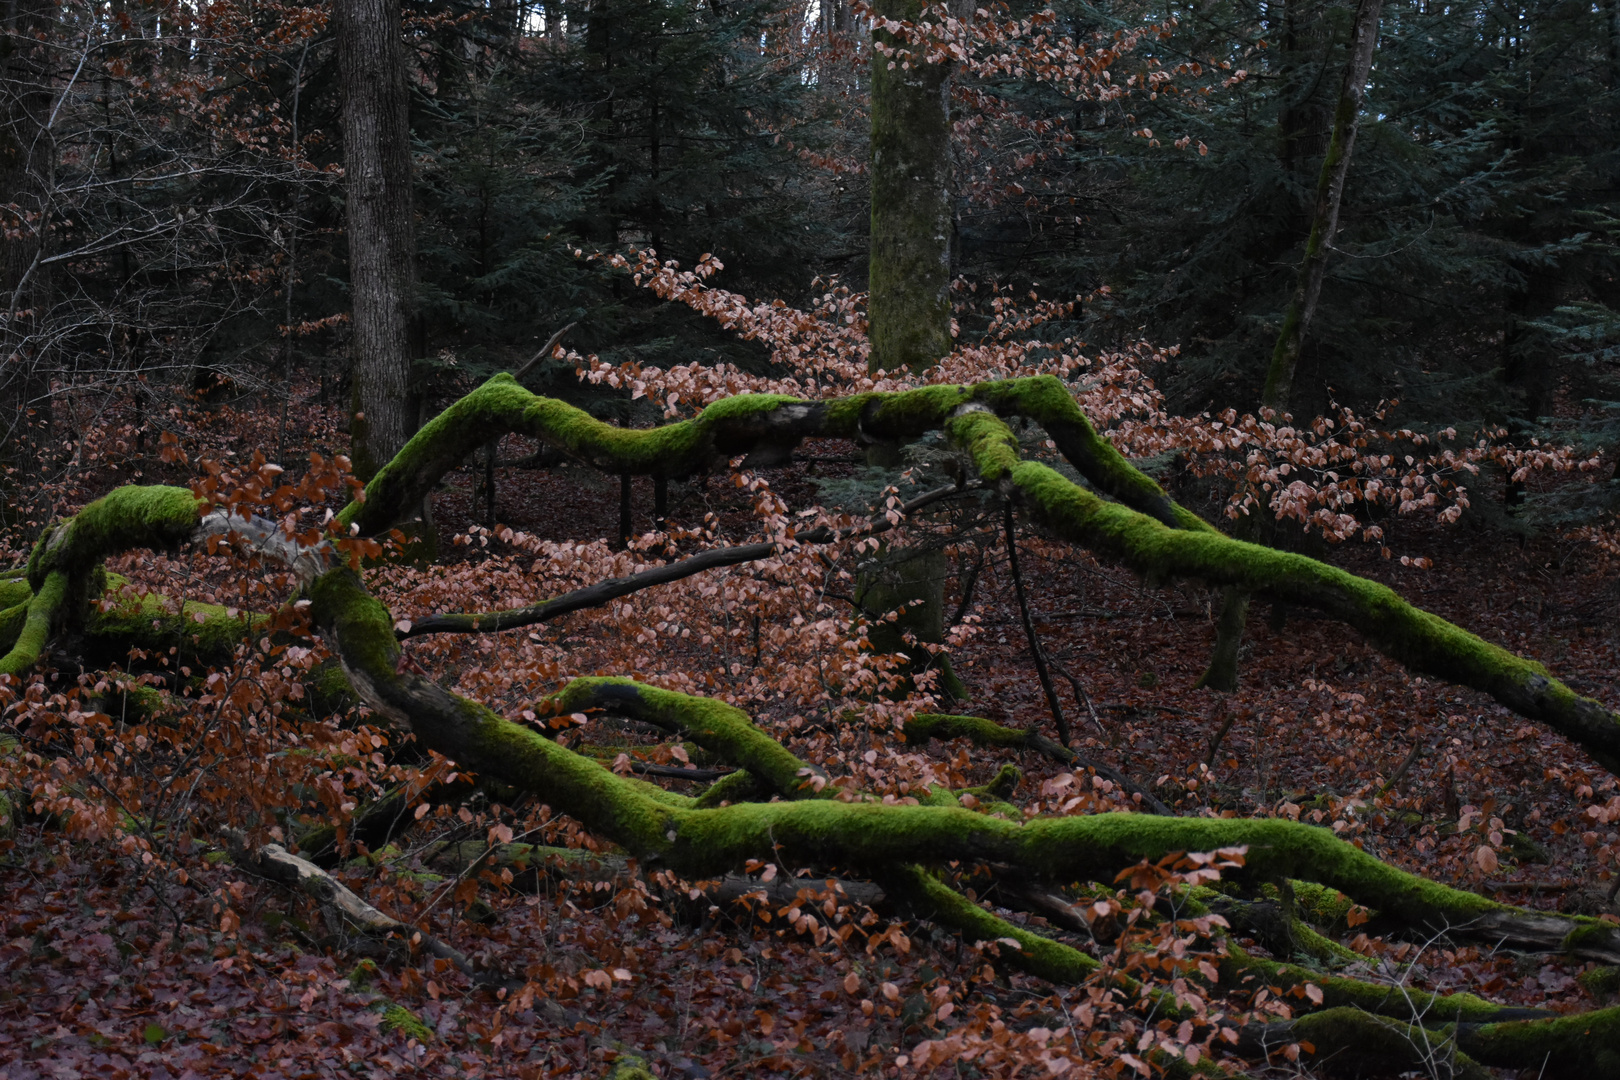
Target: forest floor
(106, 970)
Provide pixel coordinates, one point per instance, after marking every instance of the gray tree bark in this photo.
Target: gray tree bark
(909, 273)
(27, 173)
(378, 217)
(1325, 221)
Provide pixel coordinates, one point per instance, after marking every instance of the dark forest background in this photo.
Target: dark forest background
(176, 204)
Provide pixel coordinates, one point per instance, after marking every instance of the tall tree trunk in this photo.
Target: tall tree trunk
(1222, 672)
(382, 243)
(27, 175)
(910, 268)
(909, 307)
(1325, 221)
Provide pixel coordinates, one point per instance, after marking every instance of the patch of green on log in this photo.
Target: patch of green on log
(924, 726)
(208, 632)
(15, 590)
(739, 786)
(1378, 1042)
(1037, 955)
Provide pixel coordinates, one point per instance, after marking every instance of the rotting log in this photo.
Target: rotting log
(815, 824)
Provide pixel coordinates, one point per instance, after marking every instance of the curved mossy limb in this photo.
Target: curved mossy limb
(42, 615)
(1161, 540)
(723, 730)
(886, 840)
(158, 517)
(732, 426)
(736, 787)
(1244, 970)
(1421, 641)
(930, 898)
(876, 836)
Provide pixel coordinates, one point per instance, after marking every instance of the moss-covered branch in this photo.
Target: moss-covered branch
(1157, 537)
(702, 842)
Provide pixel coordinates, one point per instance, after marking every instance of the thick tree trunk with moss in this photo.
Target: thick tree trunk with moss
(909, 308)
(908, 849)
(378, 220)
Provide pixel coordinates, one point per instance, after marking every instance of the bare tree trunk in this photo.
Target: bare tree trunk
(910, 267)
(382, 243)
(1611, 23)
(1222, 673)
(1325, 222)
(27, 174)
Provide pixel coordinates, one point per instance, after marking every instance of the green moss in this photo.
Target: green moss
(1592, 933)
(1039, 956)
(501, 405)
(1321, 906)
(206, 632)
(123, 519)
(739, 786)
(1601, 982)
(989, 442)
(1001, 786)
(44, 610)
(15, 591)
(1583, 1044)
(12, 621)
(628, 1066)
(363, 975)
(721, 729)
(1362, 1040)
(1240, 968)
(398, 1018)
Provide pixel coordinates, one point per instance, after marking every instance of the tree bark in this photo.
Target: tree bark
(1325, 221)
(27, 173)
(909, 274)
(1222, 673)
(378, 217)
